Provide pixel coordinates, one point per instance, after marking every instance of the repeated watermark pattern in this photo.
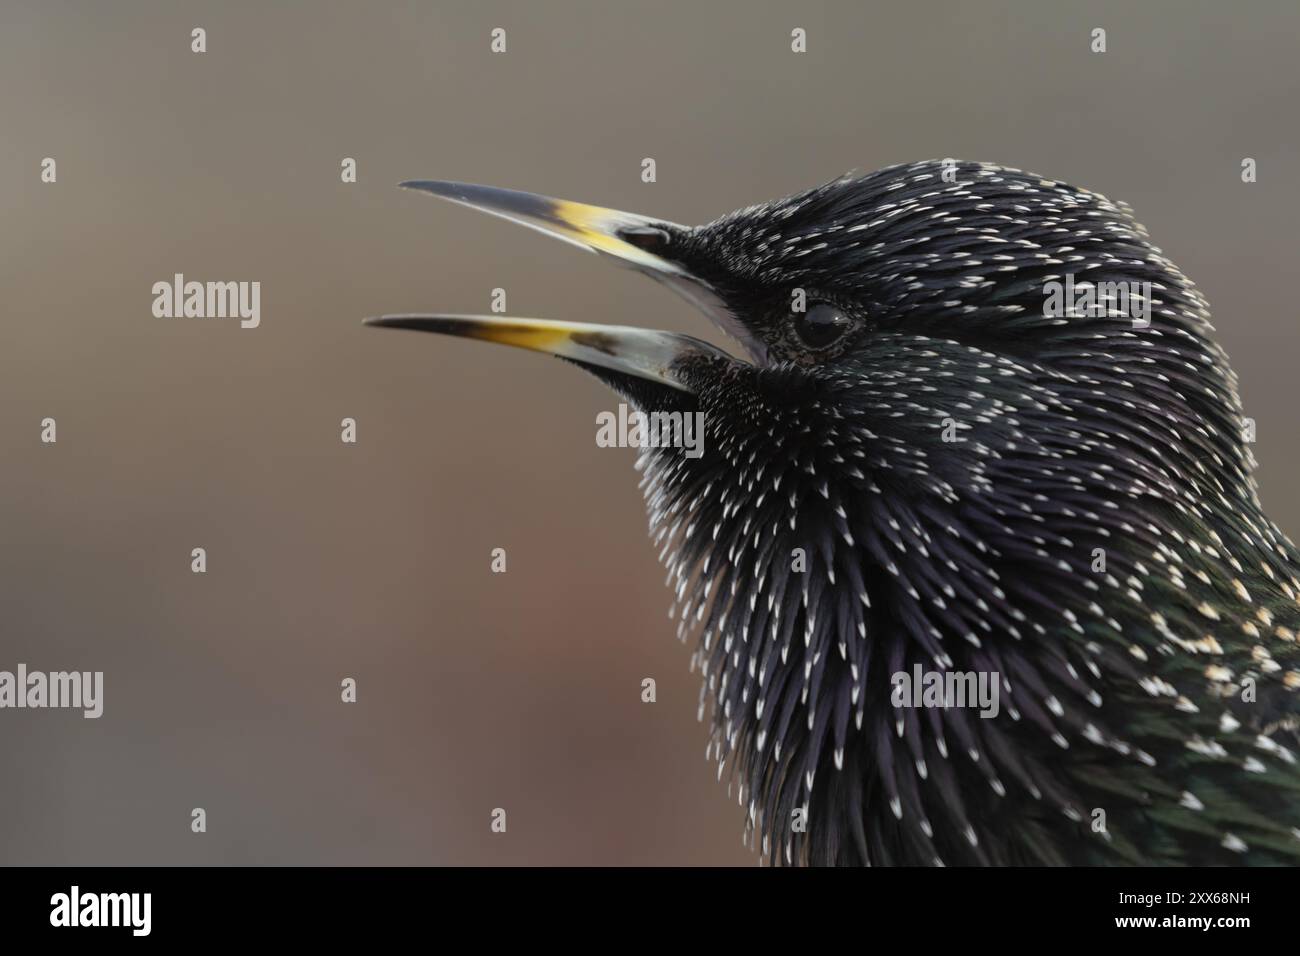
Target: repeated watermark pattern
(632, 428)
(35, 690)
(943, 689)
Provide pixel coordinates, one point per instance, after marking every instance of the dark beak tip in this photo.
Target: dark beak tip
(434, 187)
(386, 321)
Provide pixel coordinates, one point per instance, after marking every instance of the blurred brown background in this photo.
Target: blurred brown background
(476, 690)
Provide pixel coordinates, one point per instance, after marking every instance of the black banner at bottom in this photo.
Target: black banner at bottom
(92, 905)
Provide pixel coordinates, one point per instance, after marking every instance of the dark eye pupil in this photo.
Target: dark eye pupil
(821, 325)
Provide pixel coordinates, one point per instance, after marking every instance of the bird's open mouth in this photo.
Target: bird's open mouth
(637, 241)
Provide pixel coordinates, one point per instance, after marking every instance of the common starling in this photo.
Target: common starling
(1060, 500)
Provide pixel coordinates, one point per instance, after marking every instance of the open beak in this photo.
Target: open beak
(637, 241)
(662, 357)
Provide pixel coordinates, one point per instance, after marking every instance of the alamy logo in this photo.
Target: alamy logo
(947, 689)
(636, 429)
(35, 689)
(75, 908)
(208, 300)
(1096, 300)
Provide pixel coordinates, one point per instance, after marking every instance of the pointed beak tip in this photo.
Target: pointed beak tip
(434, 187)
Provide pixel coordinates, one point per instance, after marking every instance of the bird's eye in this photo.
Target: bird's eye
(821, 325)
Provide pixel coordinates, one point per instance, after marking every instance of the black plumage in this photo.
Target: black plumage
(926, 467)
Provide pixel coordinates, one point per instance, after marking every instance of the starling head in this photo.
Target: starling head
(916, 460)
